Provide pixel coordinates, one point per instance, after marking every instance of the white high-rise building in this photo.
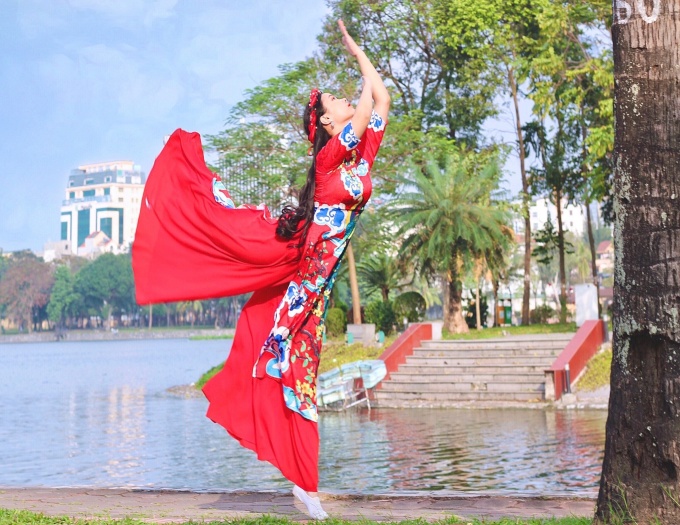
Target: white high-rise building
(102, 198)
(573, 216)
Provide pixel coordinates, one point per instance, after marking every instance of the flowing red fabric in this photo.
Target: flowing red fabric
(188, 247)
(252, 409)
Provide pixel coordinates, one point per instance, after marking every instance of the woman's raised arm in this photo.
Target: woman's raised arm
(379, 92)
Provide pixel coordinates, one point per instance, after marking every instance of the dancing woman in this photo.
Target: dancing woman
(193, 243)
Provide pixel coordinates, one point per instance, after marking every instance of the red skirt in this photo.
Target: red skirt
(189, 247)
(252, 409)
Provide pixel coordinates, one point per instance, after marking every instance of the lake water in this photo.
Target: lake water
(99, 415)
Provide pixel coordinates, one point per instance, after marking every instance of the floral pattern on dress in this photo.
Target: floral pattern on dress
(292, 350)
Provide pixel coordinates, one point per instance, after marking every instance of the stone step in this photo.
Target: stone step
(490, 352)
(442, 387)
(542, 338)
(500, 345)
(442, 369)
(475, 377)
(452, 397)
(544, 361)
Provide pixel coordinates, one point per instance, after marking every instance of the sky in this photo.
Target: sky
(86, 81)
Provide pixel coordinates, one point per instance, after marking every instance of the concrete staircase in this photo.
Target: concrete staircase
(450, 373)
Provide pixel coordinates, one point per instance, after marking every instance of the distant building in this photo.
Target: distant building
(56, 250)
(573, 216)
(605, 257)
(102, 198)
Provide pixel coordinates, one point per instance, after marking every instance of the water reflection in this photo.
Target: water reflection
(528, 451)
(98, 414)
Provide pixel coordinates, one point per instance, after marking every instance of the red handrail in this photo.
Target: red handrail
(582, 347)
(396, 353)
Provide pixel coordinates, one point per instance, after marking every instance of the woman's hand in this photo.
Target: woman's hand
(349, 43)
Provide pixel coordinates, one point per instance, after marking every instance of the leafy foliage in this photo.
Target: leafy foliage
(379, 274)
(471, 312)
(64, 299)
(411, 306)
(449, 217)
(542, 314)
(107, 281)
(382, 315)
(336, 322)
(25, 288)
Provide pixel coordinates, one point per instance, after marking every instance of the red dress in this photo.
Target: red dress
(193, 243)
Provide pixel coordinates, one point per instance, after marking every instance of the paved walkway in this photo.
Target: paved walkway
(165, 506)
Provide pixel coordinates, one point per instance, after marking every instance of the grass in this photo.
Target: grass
(166, 328)
(23, 517)
(597, 373)
(500, 331)
(209, 337)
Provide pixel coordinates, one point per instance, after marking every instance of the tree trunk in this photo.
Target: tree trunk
(150, 316)
(641, 470)
(353, 284)
(526, 199)
(496, 285)
(593, 257)
(589, 220)
(478, 315)
(453, 305)
(560, 246)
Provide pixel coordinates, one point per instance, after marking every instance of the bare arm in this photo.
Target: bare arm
(378, 91)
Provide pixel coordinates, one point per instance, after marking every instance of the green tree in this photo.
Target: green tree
(106, 285)
(556, 175)
(25, 288)
(433, 86)
(379, 273)
(63, 298)
(190, 309)
(504, 39)
(447, 217)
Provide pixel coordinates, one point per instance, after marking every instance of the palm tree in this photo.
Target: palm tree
(448, 218)
(379, 273)
(192, 308)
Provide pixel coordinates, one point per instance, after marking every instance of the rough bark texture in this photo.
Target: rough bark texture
(642, 447)
(453, 305)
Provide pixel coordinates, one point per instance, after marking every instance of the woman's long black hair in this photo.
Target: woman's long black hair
(289, 222)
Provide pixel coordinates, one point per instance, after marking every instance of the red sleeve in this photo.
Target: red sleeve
(192, 244)
(336, 150)
(370, 141)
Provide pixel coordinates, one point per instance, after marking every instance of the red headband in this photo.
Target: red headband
(313, 100)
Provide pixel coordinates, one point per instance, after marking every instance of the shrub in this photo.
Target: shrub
(542, 314)
(336, 322)
(471, 312)
(382, 315)
(410, 305)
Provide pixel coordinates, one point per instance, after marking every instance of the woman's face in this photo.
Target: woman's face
(338, 110)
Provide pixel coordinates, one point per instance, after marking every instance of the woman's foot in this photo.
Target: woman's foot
(313, 504)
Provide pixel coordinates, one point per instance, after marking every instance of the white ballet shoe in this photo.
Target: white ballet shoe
(313, 504)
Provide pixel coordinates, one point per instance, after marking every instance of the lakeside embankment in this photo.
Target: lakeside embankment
(118, 335)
